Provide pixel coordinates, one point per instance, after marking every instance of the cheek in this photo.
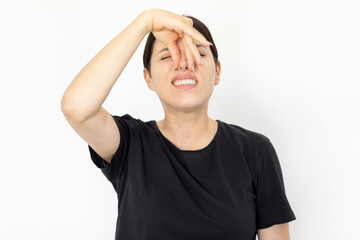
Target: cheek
(163, 66)
(210, 71)
(166, 62)
(161, 72)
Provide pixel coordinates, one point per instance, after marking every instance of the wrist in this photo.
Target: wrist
(147, 19)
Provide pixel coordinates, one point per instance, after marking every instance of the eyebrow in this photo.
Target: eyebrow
(166, 49)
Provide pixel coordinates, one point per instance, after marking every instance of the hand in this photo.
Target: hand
(177, 31)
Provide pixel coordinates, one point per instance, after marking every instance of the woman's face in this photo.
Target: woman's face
(163, 71)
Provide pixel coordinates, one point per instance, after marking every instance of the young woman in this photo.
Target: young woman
(186, 176)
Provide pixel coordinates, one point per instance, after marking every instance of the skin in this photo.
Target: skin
(186, 121)
(275, 232)
(171, 29)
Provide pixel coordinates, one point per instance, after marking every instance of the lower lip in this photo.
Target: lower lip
(185, 86)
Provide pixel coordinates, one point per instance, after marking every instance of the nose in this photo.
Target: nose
(183, 64)
(183, 61)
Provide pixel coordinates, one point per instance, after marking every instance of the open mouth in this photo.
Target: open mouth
(184, 82)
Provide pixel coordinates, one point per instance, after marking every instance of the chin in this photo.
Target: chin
(188, 107)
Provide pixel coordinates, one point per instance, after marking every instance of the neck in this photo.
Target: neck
(189, 131)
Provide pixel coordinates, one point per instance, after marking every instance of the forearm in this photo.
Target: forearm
(91, 86)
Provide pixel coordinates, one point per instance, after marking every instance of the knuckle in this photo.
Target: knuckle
(190, 21)
(189, 40)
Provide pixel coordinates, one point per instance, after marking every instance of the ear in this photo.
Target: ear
(148, 80)
(218, 71)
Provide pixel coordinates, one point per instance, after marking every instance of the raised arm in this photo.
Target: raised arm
(91, 86)
(82, 101)
(88, 91)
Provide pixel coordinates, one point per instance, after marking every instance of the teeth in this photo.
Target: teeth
(185, 82)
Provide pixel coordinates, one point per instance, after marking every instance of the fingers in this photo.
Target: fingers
(163, 19)
(189, 51)
(194, 51)
(186, 54)
(195, 34)
(175, 53)
(189, 55)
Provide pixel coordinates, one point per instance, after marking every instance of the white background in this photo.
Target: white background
(290, 70)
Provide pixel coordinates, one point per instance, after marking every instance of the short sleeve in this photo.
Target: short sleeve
(272, 206)
(114, 169)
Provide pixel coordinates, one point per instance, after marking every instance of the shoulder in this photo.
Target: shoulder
(243, 134)
(254, 146)
(131, 125)
(250, 143)
(129, 121)
(125, 118)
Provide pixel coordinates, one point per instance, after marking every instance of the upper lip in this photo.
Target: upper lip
(184, 76)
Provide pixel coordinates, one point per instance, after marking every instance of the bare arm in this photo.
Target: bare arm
(275, 232)
(88, 91)
(82, 101)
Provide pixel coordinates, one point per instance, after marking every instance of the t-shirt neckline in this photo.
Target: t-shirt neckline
(212, 142)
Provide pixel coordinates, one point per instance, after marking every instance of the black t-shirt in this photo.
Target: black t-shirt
(225, 191)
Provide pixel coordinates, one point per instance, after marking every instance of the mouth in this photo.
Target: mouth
(186, 80)
(185, 83)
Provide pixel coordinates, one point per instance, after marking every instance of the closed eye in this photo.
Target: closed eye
(170, 56)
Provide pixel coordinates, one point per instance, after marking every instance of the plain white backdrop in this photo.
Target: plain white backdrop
(290, 70)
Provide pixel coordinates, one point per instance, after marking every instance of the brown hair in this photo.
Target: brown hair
(198, 25)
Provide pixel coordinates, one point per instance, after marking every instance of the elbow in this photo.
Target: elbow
(68, 108)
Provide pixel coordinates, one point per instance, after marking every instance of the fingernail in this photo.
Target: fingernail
(193, 67)
(210, 43)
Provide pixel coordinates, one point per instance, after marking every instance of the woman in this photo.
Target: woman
(187, 176)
